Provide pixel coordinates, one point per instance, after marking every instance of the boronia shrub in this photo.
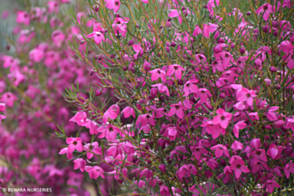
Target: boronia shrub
(205, 96)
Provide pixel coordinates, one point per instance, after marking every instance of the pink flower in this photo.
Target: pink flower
(145, 119)
(74, 144)
(265, 9)
(271, 115)
(92, 148)
(98, 37)
(5, 14)
(2, 117)
(147, 173)
(171, 133)
(223, 118)
(209, 28)
(259, 155)
(2, 107)
(197, 30)
(238, 167)
(53, 7)
(289, 168)
(237, 145)
(198, 151)
(128, 111)
(290, 124)
(111, 113)
(108, 131)
(8, 99)
(246, 96)
(23, 17)
(220, 150)
(80, 118)
(156, 73)
(164, 190)
(58, 38)
(36, 55)
(79, 164)
(95, 172)
(177, 109)
(113, 5)
(175, 69)
(271, 185)
(204, 94)
(176, 13)
(286, 46)
(161, 88)
(239, 125)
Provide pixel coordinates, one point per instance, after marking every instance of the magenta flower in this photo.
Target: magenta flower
(176, 14)
(271, 114)
(145, 119)
(289, 168)
(128, 111)
(259, 155)
(53, 6)
(2, 107)
(80, 118)
(95, 172)
(290, 124)
(162, 88)
(171, 133)
(237, 145)
(265, 10)
(108, 131)
(156, 73)
(238, 126)
(223, 118)
(8, 99)
(92, 148)
(111, 113)
(204, 94)
(23, 17)
(58, 38)
(177, 109)
(2, 117)
(36, 55)
(246, 96)
(113, 5)
(190, 87)
(175, 69)
(237, 165)
(79, 164)
(147, 173)
(270, 185)
(164, 190)
(74, 144)
(286, 46)
(220, 150)
(198, 151)
(209, 28)
(97, 36)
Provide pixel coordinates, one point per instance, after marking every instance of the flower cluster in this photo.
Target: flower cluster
(205, 97)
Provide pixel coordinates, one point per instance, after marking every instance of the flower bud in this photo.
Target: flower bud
(131, 42)
(98, 92)
(265, 28)
(91, 72)
(220, 40)
(125, 68)
(112, 56)
(96, 8)
(173, 44)
(275, 24)
(146, 66)
(248, 13)
(162, 168)
(232, 45)
(273, 69)
(242, 50)
(7, 47)
(167, 49)
(205, 6)
(277, 86)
